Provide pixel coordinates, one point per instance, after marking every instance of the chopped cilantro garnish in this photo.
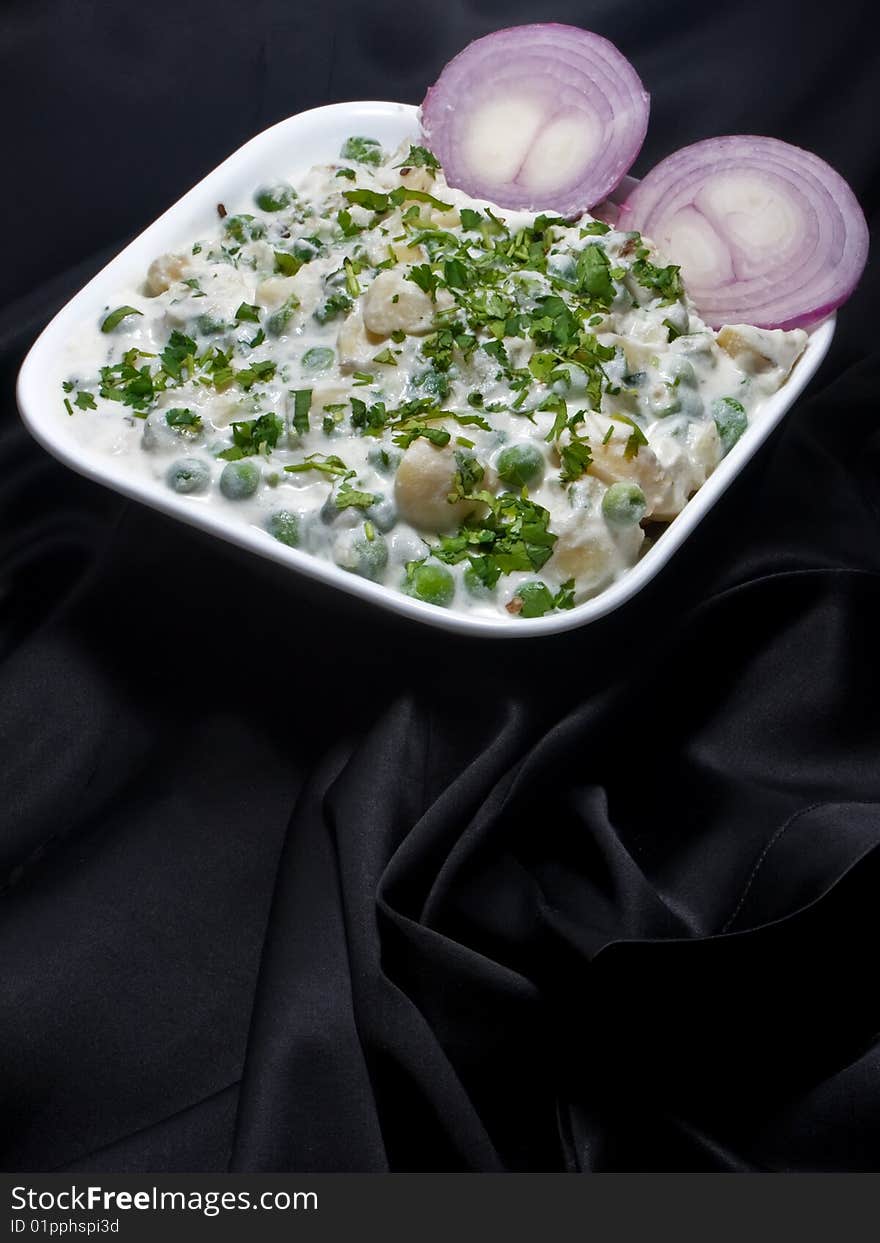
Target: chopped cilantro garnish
(730, 419)
(542, 365)
(347, 497)
(337, 303)
(257, 373)
(437, 435)
(514, 535)
(302, 402)
(370, 419)
(595, 227)
(348, 173)
(636, 439)
(373, 200)
(351, 280)
(664, 282)
(674, 333)
(455, 274)
(468, 475)
(594, 276)
(422, 275)
(535, 599)
(420, 157)
(347, 224)
(248, 313)
(575, 457)
(216, 363)
(327, 464)
(470, 219)
(116, 317)
(387, 357)
(177, 354)
(564, 598)
(364, 150)
(186, 420)
(532, 600)
(126, 383)
(496, 350)
(252, 436)
(85, 401)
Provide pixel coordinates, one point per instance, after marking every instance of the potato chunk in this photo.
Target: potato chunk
(274, 291)
(425, 478)
(165, 272)
(393, 304)
(355, 346)
(588, 551)
(759, 351)
(612, 464)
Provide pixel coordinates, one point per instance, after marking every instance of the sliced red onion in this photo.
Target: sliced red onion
(765, 233)
(540, 117)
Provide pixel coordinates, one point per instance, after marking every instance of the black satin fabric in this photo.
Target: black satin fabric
(288, 884)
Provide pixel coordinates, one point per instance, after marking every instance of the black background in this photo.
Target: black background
(285, 884)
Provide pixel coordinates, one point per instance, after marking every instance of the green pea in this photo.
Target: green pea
(306, 248)
(239, 480)
(189, 474)
(318, 358)
(284, 526)
(521, 464)
(671, 404)
(274, 198)
(535, 598)
(244, 228)
(383, 513)
(384, 460)
(476, 584)
(624, 504)
(208, 325)
(278, 320)
(362, 552)
(731, 421)
(680, 369)
(432, 583)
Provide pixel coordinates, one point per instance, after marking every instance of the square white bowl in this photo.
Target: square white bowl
(287, 151)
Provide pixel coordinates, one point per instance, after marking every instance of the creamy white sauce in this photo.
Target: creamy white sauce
(653, 421)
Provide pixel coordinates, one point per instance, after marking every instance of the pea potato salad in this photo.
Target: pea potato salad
(457, 369)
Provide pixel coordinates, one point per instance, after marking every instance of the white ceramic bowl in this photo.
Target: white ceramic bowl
(286, 151)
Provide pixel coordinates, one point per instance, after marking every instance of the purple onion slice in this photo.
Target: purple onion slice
(539, 117)
(765, 233)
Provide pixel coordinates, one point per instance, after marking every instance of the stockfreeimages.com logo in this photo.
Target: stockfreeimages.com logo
(210, 1203)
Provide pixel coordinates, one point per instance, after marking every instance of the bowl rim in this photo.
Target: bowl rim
(38, 385)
